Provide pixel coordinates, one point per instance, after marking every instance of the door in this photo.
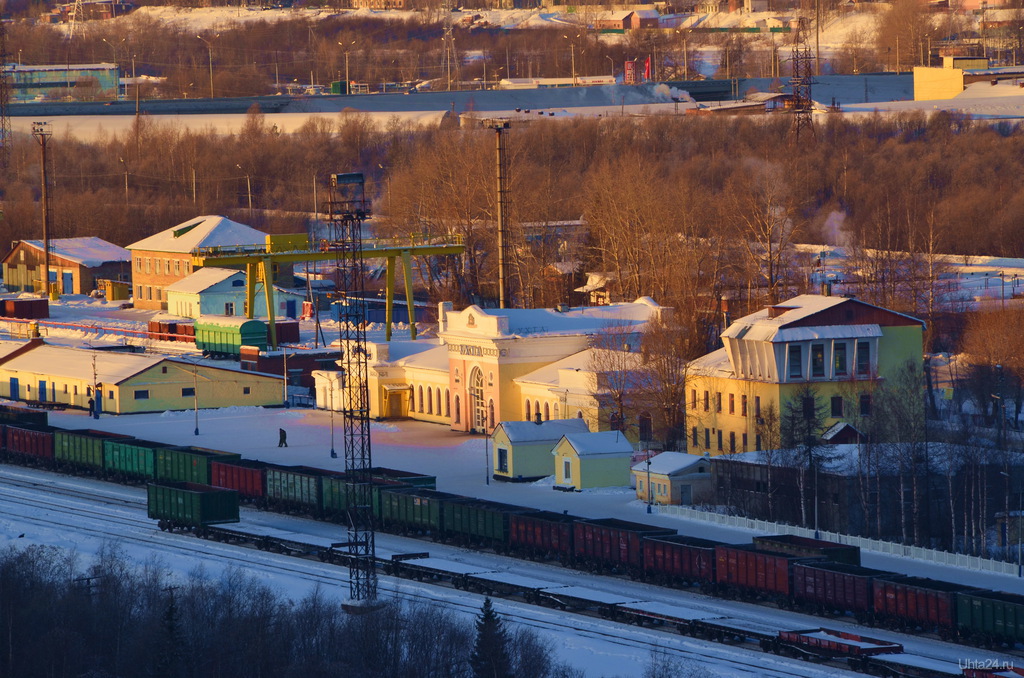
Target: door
(15, 392)
(477, 406)
(289, 308)
(67, 282)
(42, 391)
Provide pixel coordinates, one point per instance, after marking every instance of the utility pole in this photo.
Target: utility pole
(41, 131)
(209, 49)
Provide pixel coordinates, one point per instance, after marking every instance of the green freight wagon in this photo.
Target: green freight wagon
(407, 477)
(987, 617)
(297, 488)
(83, 449)
(337, 492)
(187, 464)
(131, 460)
(478, 521)
(414, 510)
(226, 335)
(191, 505)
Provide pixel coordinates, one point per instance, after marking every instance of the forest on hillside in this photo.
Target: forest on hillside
(687, 210)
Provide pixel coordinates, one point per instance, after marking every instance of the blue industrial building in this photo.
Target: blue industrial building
(57, 81)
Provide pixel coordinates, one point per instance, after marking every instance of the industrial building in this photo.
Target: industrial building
(76, 264)
(58, 81)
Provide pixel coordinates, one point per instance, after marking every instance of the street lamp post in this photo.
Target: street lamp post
(348, 80)
(113, 49)
(248, 188)
(612, 63)
(650, 495)
(572, 52)
(209, 49)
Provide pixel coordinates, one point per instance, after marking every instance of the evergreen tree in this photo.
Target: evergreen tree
(490, 658)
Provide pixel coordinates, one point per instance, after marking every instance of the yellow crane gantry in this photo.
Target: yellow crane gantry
(259, 263)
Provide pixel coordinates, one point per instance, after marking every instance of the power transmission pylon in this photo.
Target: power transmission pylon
(346, 210)
(803, 65)
(5, 100)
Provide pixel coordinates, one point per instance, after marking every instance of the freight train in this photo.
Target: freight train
(793, 572)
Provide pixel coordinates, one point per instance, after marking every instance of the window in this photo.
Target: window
(707, 401)
(547, 412)
(447, 404)
(743, 405)
(707, 439)
(458, 410)
(865, 405)
(555, 410)
(719, 440)
(757, 406)
(412, 399)
(863, 358)
(808, 406)
(437, 397)
(837, 406)
(743, 450)
(502, 460)
(419, 398)
(695, 441)
(430, 400)
(646, 427)
(163, 370)
(149, 264)
(818, 360)
(167, 266)
(528, 417)
(718, 401)
(177, 267)
(567, 470)
(142, 394)
(839, 359)
(149, 292)
(238, 282)
(579, 414)
(74, 390)
(229, 308)
(246, 390)
(138, 291)
(693, 399)
(490, 414)
(732, 441)
(732, 403)
(188, 392)
(138, 265)
(757, 442)
(795, 358)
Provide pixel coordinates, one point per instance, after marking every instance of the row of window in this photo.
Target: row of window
(161, 295)
(186, 392)
(840, 360)
(432, 401)
(718, 403)
(659, 488)
(154, 265)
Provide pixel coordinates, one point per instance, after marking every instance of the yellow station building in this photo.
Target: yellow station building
(839, 346)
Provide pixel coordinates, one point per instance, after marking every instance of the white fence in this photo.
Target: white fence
(891, 548)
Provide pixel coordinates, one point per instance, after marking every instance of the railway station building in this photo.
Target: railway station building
(485, 366)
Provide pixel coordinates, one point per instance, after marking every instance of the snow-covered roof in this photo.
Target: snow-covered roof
(201, 280)
(433, 357)
(207, 231)
(647, 13)
(71, 363)
(553, 430)
(573, 321)
(711, 364)
(670, 463)
(89, 252)
(599, 443)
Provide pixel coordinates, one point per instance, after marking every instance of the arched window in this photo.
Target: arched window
(447, 404)
(412, 400)
(430, 401)
(646, 427)
(437, 396)
(556, 410)
(419, 397)
(528, 410)
(458, 410)
(490, 414)
(477, 404)
(536, 409)
(547, 412)
(579, 414)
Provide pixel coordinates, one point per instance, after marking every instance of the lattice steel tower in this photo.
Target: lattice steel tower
(803, 65)
(5, 100)
(347, 210)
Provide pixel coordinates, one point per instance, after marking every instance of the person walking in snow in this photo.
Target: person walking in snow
(282, 440)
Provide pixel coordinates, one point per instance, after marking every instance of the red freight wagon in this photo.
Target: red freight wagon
(806, 547)
(612, 543)
(909, 602)
(287, 331)
(675, 559)
(830, 587)
(246, 476)
(33, 309)
(762, 573)
(30, 442)
(542, 534)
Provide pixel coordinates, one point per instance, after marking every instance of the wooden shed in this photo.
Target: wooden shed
(522, 449)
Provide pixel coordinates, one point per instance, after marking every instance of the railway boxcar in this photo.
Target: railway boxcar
(82, 449)
(835, 587)
(12, 414)
(32, 444)
(191, 505)
(478, 521)
(248, 477)
(990, 617)
(225, 335)
(805, 547)
(750, 572)
(916, 602)
(296, 488)
(612, 544)
(414, 510)
(187, 464)
(679, 561)
(131, 460)
(542, 534)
